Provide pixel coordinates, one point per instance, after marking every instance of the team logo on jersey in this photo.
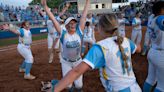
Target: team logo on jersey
(72, 44)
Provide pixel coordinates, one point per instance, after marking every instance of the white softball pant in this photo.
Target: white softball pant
(66, 67)
(147, 38)
(132, 88)
(156, 68)
(25, 51)
(136, 36)
(51, 39)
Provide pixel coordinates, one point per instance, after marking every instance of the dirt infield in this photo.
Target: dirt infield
(12, 81)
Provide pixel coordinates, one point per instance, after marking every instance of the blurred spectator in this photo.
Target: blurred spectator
(2, 18)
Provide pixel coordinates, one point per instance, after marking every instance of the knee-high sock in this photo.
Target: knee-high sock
(147, 87)
(28, 68)
(23, 65)
(54, 82)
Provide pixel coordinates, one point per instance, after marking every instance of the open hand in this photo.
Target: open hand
(5, 26)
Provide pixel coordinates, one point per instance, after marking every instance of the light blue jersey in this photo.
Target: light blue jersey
(25, 36)
(136, 21)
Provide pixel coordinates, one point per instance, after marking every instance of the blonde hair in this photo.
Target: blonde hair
(109, 23)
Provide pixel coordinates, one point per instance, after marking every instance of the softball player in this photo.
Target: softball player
(71, 42)
(122, 21)
(156, 52)
(53, 35)
(53, 39)
(112, 55)
(90, 19)
(24, 48)
(136, 36)
(147, 35)
(88, 38)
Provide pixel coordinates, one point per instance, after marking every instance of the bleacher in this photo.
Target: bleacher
(130, 10)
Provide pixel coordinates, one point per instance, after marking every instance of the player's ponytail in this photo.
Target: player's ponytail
(109, 23)
(119, 41)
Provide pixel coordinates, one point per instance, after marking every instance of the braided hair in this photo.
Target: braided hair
(109, 23)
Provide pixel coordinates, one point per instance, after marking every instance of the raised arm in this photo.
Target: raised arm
(71, 76)
(84, 15)
(51, 16)
(11, 28)
(64, 9)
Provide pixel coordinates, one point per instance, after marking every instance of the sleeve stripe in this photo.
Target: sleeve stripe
(89, 63)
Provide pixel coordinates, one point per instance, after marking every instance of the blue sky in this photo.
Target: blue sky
(15, 2)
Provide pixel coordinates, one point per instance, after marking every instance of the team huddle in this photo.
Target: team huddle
(112, 56)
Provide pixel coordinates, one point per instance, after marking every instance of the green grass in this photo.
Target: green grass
(5, 42)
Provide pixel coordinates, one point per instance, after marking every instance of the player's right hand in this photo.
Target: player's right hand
(5, 26)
